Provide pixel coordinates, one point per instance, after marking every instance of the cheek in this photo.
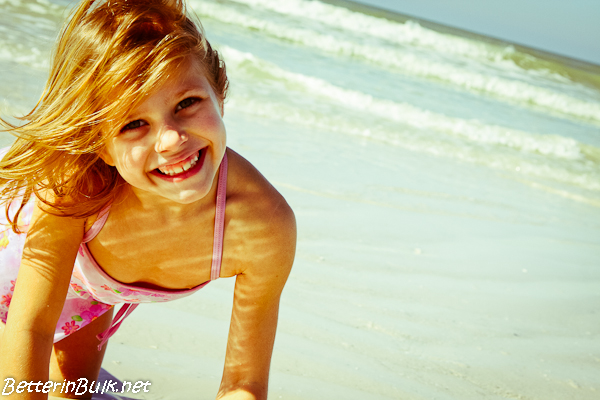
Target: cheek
(214, 124)
(133, 158)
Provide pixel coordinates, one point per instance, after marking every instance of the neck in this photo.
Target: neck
(166, 209)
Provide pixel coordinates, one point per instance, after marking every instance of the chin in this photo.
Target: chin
(190, 198)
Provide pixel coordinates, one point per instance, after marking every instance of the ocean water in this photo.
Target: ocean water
(447, 191)
(319, 66)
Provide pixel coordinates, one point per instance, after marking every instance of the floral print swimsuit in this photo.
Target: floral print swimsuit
(92, 291)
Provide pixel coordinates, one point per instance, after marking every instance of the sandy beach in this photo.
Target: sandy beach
(397, 293)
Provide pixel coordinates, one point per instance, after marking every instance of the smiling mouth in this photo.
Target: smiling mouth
(180, 167)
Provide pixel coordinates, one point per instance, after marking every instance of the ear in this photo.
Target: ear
(106, 157)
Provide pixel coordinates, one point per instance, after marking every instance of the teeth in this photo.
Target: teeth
(182, 168)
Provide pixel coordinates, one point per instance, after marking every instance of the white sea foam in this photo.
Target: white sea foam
(409, 32)
(27, 31)
(324, 106)
(21, 54)
(416, 141)
(515, 91)
(39, 7)
(13, 3)
(498, 57)
(477, 55)
(472, 130)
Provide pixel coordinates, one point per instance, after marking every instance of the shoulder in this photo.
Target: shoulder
(262, 215)
(252, 193)
(48, 228)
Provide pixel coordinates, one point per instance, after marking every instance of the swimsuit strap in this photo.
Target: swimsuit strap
(98, 224)
(215, 270)
(123, 313)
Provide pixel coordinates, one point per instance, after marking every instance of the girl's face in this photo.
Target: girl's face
(173, 143)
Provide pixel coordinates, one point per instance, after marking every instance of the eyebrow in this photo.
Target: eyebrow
(184, 91)
(190, 88)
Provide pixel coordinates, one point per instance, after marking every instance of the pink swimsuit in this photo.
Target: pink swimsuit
(92, 291)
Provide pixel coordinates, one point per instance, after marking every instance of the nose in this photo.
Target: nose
(170, 139)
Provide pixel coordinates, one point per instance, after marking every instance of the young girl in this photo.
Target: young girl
(120, 189)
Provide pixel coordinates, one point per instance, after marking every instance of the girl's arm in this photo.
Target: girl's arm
(256, 305)
(40, 291)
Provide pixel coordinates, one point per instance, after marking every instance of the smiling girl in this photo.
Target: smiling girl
(120, 189)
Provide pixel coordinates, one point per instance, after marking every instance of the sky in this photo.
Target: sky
(566, 27)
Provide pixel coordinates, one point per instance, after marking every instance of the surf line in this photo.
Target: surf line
(78, 388)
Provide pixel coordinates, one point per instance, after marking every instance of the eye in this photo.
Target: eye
(186, 103)
(133, 125)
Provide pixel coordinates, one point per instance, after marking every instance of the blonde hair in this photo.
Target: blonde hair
(109, 56)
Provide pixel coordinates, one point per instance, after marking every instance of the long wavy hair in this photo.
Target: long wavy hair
(110, 55)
